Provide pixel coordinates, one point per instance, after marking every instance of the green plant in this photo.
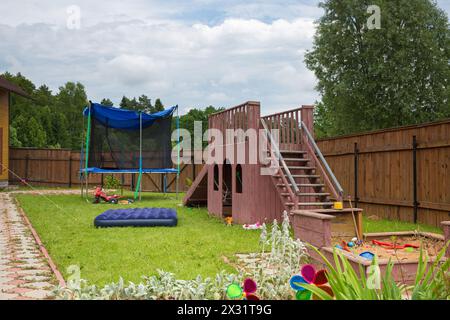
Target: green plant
(112, 182)
(348, 285)
(284, 259)
(432, 283)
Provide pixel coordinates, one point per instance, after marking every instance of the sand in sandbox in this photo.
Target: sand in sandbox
(430, 246)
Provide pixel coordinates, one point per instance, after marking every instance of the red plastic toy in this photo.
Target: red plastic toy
(388, 245)
(99, 194)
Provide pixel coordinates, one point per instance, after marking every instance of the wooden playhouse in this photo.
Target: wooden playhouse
(301, 180)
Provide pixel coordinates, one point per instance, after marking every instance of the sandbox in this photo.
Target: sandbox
(320, 230)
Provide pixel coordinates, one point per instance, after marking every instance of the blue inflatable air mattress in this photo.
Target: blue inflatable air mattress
(139, 217)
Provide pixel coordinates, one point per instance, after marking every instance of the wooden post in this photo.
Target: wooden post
(416, 203)
(70, 170)
(446, 227)
(356, 168)
(122, 183)
(27, 160)
(307, 116)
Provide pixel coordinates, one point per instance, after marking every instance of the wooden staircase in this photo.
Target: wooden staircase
(302, 178)
(310, 192)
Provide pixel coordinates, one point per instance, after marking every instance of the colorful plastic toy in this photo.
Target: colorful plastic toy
(255, 226)
(310, 276)
(235, 291)
(99, 195)
(388, 245)
(367, 255)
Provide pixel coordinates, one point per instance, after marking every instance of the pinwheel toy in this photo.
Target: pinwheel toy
(308, 275)
(235, 291)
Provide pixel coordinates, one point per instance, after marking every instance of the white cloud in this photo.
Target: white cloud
(193, 65)
(194, 54)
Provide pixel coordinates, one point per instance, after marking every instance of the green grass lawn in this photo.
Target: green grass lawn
(196, 246)
(389, 225)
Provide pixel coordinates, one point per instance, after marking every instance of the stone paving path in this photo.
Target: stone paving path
(24, 272)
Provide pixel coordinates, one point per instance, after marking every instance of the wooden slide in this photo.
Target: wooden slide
(197, 194)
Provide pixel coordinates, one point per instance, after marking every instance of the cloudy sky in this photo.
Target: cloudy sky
(190, 53)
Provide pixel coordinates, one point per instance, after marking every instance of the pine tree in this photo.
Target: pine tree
(158, 106)
(107, 102)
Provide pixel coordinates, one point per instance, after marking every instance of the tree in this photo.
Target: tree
(71, 101)
(107, 102)
(32, 133)
(392, 76)
(158, 106)
(130, 104)
(187, 121)
(13, 139)
(60, 130)
(145, 104)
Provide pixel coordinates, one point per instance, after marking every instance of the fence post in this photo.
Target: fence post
(70, 170)
(356, 177)
(416, 203)
(27, 160)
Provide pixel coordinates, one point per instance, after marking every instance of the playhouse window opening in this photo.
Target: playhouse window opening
(216, 177)
(239, 178)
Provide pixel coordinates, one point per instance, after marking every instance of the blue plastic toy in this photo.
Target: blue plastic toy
(367, 255)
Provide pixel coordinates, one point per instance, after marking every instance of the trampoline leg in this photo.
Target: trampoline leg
(140, 190)
(87, 185)
(82, 186)
(178, 180)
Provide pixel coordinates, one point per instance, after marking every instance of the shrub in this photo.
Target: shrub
(285, 256)
(112, 183)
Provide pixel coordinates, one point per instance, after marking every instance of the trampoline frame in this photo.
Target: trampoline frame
(86, 171)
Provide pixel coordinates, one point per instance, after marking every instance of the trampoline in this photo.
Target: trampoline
(139, 217)
(119, 141)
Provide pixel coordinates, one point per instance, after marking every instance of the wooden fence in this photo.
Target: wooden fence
(400, 173)
(60, 168)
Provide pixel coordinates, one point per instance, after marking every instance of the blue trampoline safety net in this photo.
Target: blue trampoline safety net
(126, 141)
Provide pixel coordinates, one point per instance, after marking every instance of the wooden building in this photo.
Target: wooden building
(6, 89)
(300, 178)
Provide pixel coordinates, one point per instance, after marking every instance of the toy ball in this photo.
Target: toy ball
(354, 239)
(351, 244)
(409, 249)
(338, 247)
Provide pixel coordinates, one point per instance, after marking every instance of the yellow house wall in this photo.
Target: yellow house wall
(4, 125)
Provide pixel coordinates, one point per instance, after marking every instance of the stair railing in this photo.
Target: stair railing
(277, 154)
(323, 166)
